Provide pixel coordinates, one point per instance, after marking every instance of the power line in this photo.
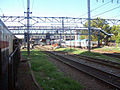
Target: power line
(97, 8)
(1, 11)
(107, 11)
(32, 5)
(116, 16)
(100, 6)
(111, 1)
(23, 4)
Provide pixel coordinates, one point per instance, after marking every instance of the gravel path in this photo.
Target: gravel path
(87, 81)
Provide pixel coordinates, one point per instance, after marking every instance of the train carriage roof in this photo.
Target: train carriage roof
(2, 25)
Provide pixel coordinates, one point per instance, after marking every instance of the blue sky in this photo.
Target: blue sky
(53, 8)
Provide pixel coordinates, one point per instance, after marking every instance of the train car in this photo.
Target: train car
(6, 46)
(73, 43)
(7, 39)
(83, 43)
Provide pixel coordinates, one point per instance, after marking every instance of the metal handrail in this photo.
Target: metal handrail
(12, 54)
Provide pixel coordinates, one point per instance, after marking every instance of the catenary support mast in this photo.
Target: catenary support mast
(28, 24)
(89, 34)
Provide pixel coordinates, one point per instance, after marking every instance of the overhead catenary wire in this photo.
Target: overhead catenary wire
(116, 16)
(97, 7)
(19, 3)
(23, 4)
(106, 11)
(100, 6)
(111, 1)
(1, 11)
(32, 5)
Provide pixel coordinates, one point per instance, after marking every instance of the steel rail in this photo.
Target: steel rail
(117, 55)
(95, 60)
(106, 77)
(111, 79)
(100, 61)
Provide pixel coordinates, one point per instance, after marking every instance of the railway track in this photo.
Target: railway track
(100, 61)
(116, 55)
(109, 78)
(105, 65)
(104, 62)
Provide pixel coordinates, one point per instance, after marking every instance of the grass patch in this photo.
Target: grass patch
(71, 50)
(47, 75)
(109, 49)
(24, 53)
(89, 54)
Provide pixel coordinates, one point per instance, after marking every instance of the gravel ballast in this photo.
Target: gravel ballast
(87, 81)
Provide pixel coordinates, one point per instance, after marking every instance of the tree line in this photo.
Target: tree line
(103, 24)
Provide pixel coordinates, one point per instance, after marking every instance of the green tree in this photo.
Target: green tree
(98, 23)
(116, 33)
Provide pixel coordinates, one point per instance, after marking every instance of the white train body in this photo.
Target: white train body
(77, 43)
(9, 58)
(6, 46)
(6, 39)
(73, 43)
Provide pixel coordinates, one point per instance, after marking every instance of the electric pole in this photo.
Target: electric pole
(89, 34)
(28, 24)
